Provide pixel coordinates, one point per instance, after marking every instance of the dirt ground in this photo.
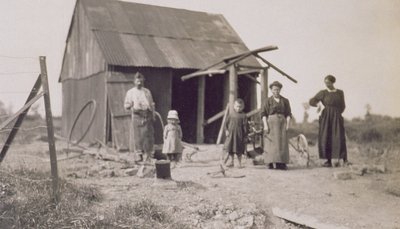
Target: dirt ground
(248, 197)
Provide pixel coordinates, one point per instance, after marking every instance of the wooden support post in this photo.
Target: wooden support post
(233, 85)
(33, 97)
(200, 109)
(233, 93)
(50, 129)
(264, 85)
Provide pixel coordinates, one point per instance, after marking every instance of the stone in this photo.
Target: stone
(146, 171)
(233, 216)
(246, 221)
(131, 171)
(259, 160)
(359, 169)
(342, 175)
(216, 224)
(104, 173)
(73, 175)
(393, 189)
(218, 216)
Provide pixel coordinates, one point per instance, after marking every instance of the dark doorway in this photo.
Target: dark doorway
(184, 100)
(214, 103)
(246, 91)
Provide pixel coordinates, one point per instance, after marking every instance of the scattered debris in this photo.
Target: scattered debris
(377, 169)
(131, 171)
(146, 171)
(222, 171)
(342, 175)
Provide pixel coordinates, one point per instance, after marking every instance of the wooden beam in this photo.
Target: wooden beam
(303, 220)
(200, 109)
(250, 67)
(253, 112)
(120, 115)
(221, 129)
(120, 81)
(22, 110)
(249, 53)
(202, 73)
(264, 85)
(50, 129)
(275, 68)
(250, 78)
(21, 115)
(233, 85)
(228, 58)
(249, 71)
(214, 118)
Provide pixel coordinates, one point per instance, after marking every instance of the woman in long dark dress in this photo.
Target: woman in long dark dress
(331, 137)
(276, 115)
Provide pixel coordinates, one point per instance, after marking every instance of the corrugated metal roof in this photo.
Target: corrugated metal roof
(132, 34)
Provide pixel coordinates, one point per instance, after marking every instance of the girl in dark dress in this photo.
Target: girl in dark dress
(236, 132)
(331, 137)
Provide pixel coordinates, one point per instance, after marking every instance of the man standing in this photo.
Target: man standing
(140, 102)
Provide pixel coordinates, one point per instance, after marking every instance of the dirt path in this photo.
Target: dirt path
(360, 202)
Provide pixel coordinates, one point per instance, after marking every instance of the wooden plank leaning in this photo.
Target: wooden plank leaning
(275, 68)
(20, 115)
(221, 130)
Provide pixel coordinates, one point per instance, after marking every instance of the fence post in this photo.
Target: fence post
(50, 128)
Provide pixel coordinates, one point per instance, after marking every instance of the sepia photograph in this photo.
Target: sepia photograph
(228, 114)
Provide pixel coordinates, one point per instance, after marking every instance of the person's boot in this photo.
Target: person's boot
(327, 164)
(240, 161)
(337, 164)
(139, 158)
(270, 166)
(281, 166)
(346, 163)
(230, 165)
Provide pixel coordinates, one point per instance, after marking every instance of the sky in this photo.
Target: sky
(357, 41)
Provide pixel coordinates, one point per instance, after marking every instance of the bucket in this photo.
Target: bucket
(163, 169)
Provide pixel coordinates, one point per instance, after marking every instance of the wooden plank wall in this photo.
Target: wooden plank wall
(82, 57)
(76, 93)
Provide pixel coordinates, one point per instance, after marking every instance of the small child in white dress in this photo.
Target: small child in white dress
(173, 137)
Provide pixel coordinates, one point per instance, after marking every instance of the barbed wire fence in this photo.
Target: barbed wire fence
(12, 123)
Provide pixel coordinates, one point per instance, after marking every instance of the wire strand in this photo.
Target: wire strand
(21, 129)
(17, 73)
(18, 57)
(14, 92)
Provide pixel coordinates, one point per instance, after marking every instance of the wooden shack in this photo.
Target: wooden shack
(109, 41)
